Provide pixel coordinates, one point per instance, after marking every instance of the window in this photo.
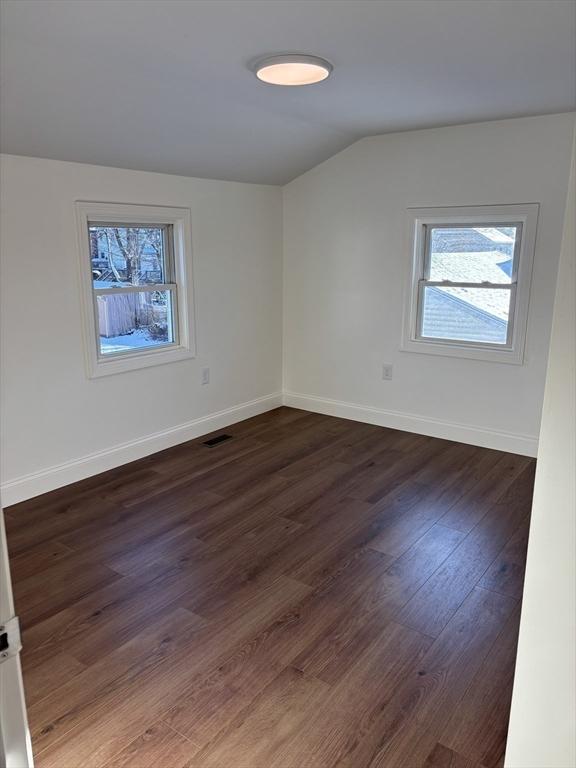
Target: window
(470, 281)
(136, 275)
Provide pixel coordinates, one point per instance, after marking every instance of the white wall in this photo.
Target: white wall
(52, 413)
(543, 716)
(345, 256)
(345, 260)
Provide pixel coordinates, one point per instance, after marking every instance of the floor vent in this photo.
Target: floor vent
(218, 439)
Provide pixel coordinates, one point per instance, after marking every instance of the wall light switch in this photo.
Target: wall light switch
(205, 375)
(386, 372)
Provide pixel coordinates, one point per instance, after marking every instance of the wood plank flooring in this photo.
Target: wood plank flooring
(312, 593)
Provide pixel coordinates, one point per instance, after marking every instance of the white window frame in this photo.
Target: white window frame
(180, 285)
(525, 217)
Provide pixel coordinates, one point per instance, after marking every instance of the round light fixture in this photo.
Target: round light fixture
(292, 69)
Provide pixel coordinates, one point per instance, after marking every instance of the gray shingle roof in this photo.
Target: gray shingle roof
(447, 316)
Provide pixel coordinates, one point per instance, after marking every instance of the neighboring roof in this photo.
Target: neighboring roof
(448, 316)
(476, 267)
(475, 255)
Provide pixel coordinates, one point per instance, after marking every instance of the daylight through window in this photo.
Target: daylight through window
(467, 290)
(134, 286)
(137, 292)
(470, 281)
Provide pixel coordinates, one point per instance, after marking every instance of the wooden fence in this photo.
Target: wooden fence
(121, 313)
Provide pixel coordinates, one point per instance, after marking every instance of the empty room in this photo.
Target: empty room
(288, 384)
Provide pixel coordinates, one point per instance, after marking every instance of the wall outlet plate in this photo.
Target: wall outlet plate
(205, 375)
(387, 370)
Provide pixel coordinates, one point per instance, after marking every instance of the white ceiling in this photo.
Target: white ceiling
(165, 85)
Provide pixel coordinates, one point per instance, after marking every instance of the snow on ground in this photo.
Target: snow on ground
(139, 338)
(107, 284)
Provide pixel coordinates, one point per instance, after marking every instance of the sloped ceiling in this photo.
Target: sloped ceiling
(166, 85)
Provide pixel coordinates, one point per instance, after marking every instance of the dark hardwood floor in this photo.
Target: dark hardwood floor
(312, 593)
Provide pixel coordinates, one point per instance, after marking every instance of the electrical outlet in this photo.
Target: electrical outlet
(205, 375)
(386, 372)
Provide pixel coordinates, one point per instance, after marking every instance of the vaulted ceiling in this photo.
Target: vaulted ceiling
(166, 85)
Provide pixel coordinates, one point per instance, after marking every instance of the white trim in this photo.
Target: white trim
(28, 486)
(527, 445)
(34, 484)
(15, 744)
(180, 219)
(525, 214)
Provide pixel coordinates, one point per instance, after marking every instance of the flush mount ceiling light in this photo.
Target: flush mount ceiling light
(292, 69)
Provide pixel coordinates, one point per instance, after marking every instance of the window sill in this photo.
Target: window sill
(489, 354)
(135, 361)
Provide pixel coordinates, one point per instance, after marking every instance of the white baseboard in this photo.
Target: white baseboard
(527, 445)
(27, 486)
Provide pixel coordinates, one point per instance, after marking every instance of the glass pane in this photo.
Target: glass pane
(132, 321)
(466, 314)
(127, 255)
(472, 254)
